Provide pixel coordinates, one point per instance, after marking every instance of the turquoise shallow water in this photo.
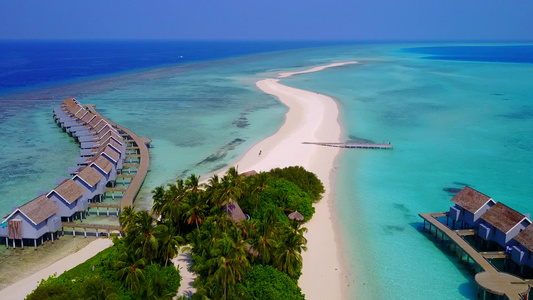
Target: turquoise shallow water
(451, 123)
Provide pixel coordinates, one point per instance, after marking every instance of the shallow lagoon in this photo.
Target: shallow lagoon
(452, 123)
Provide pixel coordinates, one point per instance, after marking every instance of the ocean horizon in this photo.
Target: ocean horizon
(456, 116)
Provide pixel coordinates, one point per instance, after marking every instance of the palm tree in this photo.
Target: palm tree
(194, 209)
(169, 243)
(145, 234)
(170, 208)
(264, 241)
(260, 182)
(212, 187)
(228, 263)
(231, 187)
(192, 183)
(154, 290)
(159, 200)
(126, 217)
(130, 270)
(95, 288)
(288, 257)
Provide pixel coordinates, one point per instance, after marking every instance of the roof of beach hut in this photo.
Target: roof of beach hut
(95, 121)
(234, 210)
(100, 125)
(249, 173)
(88, 117)
(90, 176)
(525, 237)
(110, 134)
(502, 217)
(111, 153)
(470, 199)
(81, 113)
(37, 210)
(296, 216)
(69, 190)
(103, 164)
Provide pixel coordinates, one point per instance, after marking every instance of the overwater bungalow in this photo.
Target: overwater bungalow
(96, 137)
(501, 224)
(469, 206)
(72, 120)
(81, 124)
(69, 197)
(521, 252)
(92, 182)
(32, 220)
(105, 167)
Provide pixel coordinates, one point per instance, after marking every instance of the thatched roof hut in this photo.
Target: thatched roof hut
(248, 173)
(296, 216)
(234, 211)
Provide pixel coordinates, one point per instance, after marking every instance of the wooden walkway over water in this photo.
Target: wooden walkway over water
(98, 228)
(140, 144)
(353, 145)
(492, 280)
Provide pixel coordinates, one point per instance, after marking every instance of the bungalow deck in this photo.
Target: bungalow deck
(490, 279)
(97, 227)
(353, 145)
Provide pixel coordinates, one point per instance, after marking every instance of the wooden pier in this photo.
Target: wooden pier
(490, 279)
(353, 145)
(98, 228)
(144, 159)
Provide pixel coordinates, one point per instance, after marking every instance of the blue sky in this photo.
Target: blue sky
(272, 19)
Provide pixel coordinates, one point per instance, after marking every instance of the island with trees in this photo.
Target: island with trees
(235, 255)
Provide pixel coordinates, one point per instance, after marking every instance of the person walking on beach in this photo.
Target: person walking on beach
(259, 152)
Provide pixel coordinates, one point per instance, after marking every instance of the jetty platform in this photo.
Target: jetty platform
(140, 145)
(384, 146)
(489, 279)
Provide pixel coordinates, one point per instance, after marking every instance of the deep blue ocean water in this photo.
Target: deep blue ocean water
(25, 64)
(494, 53)
(452, 122)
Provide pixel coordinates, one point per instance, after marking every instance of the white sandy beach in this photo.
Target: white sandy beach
(312, 117)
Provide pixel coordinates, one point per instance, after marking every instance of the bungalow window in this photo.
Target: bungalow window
(463, 211)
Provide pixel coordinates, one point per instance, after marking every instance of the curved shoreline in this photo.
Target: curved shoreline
(312, 117)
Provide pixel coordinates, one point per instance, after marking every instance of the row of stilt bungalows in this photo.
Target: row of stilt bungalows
(495, 223)
(102, 154)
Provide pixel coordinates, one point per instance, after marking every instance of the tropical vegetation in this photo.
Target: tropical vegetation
(229, 253)
(235, 256)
